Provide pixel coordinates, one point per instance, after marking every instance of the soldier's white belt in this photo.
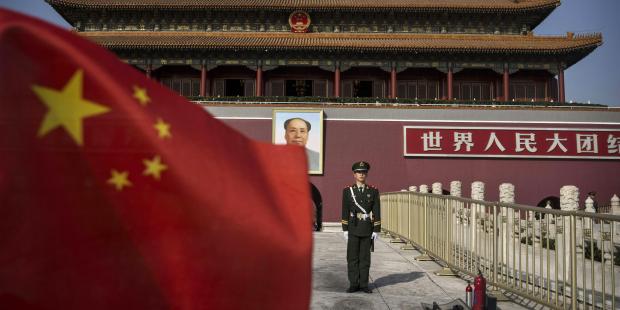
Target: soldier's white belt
(363, 217)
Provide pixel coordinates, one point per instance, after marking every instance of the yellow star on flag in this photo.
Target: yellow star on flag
(67, 107)
(154, 167)
(163, 129)
(119, 179)
(140, 94)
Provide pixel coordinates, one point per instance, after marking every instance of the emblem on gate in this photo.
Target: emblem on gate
(299, 21)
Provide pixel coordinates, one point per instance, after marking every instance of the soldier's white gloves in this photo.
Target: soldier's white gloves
(374, 236)
(346, 235)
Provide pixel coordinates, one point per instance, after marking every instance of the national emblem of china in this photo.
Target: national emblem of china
(299, 21)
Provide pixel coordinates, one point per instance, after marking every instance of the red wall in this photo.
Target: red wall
(381, 144)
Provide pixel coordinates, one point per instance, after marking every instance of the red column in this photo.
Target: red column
(506, 84)
(443, 87)
(337, 82)
(450, 97)
(259, 81)
(149, 69)
(561, 97)
(393, 83)
(203, 80)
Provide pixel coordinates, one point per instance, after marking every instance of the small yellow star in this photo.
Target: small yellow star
(119, 179)
(140, 94)
(163, 129)
(67, 108)
(154, 167)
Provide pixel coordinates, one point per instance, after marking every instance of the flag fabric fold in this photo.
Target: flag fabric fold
(116, 193)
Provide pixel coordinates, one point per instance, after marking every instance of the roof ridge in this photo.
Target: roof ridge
(313, 4)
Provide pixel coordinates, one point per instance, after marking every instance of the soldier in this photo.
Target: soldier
(592, 195)
(361, 221)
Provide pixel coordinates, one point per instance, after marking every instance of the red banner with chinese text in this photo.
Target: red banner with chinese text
(520, 142)
(116, 193)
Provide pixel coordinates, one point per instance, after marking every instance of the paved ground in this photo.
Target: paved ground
(397, 279)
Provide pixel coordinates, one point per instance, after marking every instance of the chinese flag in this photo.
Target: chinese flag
(115, 193)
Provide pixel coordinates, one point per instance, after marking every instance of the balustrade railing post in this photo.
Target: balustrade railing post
(569, 201)
(495, 244)
(612, 263)
(506, 195)
(573, 261)
(615, 210)
(495, 292)
(477, 193)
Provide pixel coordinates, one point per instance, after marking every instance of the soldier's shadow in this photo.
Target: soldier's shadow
(397, 278)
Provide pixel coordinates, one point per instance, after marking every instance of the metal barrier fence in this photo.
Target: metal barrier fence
(560, 259)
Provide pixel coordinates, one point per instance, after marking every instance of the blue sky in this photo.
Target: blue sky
(596, 78)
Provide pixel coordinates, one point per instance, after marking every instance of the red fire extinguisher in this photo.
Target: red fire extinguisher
(468, 295)
(480, 292)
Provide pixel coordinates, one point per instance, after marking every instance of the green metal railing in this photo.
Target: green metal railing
(560, 259)
(389, 101)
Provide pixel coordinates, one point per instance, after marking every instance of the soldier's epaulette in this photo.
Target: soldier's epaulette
(371, 186)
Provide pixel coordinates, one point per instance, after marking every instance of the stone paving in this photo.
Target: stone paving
(397, 279)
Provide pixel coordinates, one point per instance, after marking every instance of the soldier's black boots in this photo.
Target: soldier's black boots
(353, 289)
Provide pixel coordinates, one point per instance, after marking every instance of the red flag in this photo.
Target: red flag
(116, 193)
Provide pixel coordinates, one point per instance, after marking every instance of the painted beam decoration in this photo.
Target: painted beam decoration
(511, 142)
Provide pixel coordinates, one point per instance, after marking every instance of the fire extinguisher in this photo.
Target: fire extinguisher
(480, 292)
(468, 295)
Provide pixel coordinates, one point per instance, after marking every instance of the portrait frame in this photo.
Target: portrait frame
(315, 139)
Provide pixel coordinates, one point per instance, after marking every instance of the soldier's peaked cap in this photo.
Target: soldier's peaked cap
(361, 166)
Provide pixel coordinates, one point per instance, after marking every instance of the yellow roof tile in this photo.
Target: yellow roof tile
(344, 41)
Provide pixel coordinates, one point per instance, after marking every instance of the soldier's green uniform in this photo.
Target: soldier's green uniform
(360, 226)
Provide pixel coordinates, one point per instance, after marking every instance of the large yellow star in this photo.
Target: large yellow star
(140, 94)
(119, 179)
(67, 107)
(154, 167)
(163, 129)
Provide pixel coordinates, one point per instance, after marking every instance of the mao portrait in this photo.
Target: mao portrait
(303, 128)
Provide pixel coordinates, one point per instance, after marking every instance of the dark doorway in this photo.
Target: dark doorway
(298, 88)
(551, 200)
(362, 88)
(234, 88)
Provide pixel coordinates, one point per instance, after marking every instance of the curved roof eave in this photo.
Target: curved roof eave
(360, 41)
